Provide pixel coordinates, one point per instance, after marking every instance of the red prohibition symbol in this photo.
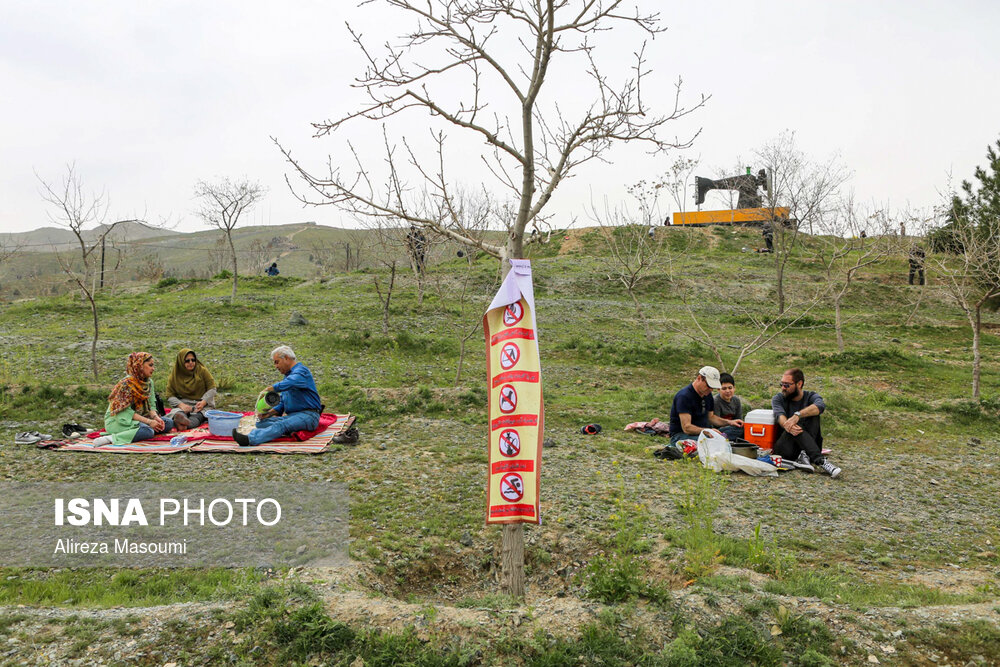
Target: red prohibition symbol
(512, 487)
(509, 356)
(508, 399)
(513, 313)
(510, 443)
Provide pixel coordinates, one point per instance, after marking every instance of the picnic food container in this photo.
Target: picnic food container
(759, 428)
(749, 451)
(221, 422)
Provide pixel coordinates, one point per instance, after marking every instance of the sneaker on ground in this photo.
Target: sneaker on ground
(830, 469)
(802, 463)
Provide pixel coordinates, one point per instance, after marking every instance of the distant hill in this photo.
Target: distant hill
(139, 252)
(45, 239)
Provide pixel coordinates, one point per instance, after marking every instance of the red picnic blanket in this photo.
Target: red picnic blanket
(202, 432)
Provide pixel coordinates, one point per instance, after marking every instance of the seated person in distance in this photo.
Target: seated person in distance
(729, 406)
(131, 415)
(298, 409)
(693, 409)
(190, 389)
(796, 413)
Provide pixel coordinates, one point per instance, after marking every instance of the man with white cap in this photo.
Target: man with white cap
(693, 409)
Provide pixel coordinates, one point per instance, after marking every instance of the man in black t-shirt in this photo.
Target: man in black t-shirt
(693, 409)
(796, 413)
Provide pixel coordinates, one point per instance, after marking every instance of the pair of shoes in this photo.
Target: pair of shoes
(669, 453)
(802, 463)
(348, 437)
(72, 431)
(241, 439)
(829, 469)
(30, 437)
(590, 429)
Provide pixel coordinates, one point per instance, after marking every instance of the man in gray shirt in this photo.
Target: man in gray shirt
(796, 413)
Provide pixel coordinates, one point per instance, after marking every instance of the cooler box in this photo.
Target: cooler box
(759, 428)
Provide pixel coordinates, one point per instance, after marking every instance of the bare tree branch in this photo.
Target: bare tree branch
(467, 44)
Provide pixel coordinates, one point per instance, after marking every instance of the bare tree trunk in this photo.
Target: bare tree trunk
(93, 343)
(976, 354)
(418, 274)
(461, 351)
(232, 250)
(920, 297)
(512, 560)
(387, 297)
(642, 316)
(837, 323)
(780, 278)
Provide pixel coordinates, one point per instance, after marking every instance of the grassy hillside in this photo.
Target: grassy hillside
(137, 253)
(638, 560)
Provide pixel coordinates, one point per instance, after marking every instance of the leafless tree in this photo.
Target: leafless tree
(635, 246)
(472, 45)
(8, 250)
(494, 55)
(257, 257)
(972, 276)
(676, 182)
(222, 204)
(218, 257)
(844, 253)
(325, 255)
(75, 209)
(465, 300)
(764, 328)
(148, 267)
(807, 188)
(390, 249)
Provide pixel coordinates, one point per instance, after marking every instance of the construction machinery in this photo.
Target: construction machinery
(748, 209)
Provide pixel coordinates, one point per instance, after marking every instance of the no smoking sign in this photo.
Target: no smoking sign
(510, 443)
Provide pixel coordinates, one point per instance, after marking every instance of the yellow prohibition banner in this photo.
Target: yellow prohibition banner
(516, 416)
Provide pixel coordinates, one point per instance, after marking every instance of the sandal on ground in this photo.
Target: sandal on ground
(73, 431)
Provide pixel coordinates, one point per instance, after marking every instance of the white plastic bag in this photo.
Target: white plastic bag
(711, 446)
(716, 454)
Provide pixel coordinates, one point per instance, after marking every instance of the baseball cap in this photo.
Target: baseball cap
(711, 375)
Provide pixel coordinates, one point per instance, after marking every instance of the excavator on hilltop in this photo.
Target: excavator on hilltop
(748, 209)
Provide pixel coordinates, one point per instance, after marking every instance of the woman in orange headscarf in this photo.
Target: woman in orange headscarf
(131, 414)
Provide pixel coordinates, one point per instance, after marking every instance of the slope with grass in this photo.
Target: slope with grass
(638, 560)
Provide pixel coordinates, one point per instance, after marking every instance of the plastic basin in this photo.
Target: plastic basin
(221, 422)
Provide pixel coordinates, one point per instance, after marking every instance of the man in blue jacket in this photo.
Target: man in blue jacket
(298, 409)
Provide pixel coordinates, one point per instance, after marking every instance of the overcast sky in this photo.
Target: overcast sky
(149, 97)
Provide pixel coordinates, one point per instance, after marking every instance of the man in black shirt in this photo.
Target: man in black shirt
(796, 412)
(693, 409)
